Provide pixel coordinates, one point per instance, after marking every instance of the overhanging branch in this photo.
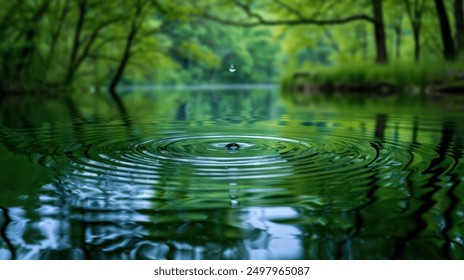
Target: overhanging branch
(301, 20)
(304, 21)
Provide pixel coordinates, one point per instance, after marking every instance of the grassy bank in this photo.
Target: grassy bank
(404, 77)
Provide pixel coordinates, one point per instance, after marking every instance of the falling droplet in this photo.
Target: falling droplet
(234, 203)
(233, 196)
(232, 68)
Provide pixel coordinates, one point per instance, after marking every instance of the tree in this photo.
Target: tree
(397, 25)
(379, 32)
(449, 51)
(82, 43)
(459, 24)
(55, 35)
(30, 34)
(19, 35)
(134, 29)
(414, 10)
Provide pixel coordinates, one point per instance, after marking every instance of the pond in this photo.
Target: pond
(247, 173)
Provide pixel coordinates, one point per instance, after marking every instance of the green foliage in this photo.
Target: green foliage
(401, 76)
(85, 43)
(48, 44)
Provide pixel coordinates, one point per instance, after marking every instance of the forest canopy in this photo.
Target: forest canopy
(46, 44)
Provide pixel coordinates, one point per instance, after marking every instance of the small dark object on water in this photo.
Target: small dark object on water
(232, 146)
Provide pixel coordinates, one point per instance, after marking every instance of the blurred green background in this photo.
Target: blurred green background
(93, 44)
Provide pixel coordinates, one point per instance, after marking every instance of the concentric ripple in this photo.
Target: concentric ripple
(206, 157)
(212, 151)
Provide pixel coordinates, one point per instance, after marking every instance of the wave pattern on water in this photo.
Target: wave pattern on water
(296, 186)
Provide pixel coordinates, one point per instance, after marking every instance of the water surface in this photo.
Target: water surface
(314, 177)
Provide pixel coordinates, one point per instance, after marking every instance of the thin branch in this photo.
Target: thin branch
(263, 21)
(92, 38)
(146, 34)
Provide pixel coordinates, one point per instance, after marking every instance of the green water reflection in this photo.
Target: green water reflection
(316, 177)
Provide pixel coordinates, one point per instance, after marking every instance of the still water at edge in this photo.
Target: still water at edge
(314, 178)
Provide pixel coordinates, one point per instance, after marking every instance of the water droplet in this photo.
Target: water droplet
(234, 203)
(232, 68)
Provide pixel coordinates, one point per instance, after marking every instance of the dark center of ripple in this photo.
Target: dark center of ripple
(232, 146)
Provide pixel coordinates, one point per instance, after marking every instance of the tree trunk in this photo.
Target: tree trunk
(56, 34)
(77, 57)
(416, 35)
(449, 51)
(29, 45)
(414, 10)
(459, 24)
(379, 32)
(127, 50)
(398, 34)
(125, 58)
(76, 42)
